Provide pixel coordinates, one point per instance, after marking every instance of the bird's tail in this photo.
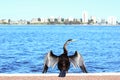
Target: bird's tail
(62, 73)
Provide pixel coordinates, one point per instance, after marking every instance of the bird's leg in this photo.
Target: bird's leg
(83, 68)
(62, 73)
(45, 68)
(66, 71)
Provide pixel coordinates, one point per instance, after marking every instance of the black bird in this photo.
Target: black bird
(64, 61)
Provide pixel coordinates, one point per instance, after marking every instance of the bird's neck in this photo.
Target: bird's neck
(65, 48)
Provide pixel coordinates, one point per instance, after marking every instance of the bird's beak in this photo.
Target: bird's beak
(74, 40)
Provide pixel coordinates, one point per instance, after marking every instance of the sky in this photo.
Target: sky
(28, 9)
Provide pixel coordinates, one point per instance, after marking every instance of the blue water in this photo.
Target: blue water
(23, 48)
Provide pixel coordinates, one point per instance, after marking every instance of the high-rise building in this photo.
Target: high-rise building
(84, 17)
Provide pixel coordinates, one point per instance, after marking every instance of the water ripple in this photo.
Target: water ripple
(23, 49)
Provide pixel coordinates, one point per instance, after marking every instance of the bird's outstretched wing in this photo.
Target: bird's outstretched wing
(50, 61)
(77, 61)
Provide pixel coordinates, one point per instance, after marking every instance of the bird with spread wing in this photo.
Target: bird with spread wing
(63, 61)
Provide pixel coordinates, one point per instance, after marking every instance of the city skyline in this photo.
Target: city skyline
(28, 9)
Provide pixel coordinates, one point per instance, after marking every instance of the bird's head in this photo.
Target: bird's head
(71, 40)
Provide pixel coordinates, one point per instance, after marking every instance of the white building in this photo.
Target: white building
(44, 20)
(34, 21)
(59, 19)
(94, 19)
(112, 20)
(52, 19)
(78, 20)
(3, 21)
(84, 17)
(70, 19)
(21, 21)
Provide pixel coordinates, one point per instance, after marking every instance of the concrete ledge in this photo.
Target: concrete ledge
(69, 76)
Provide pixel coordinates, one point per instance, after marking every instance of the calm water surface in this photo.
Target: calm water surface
(23, 48)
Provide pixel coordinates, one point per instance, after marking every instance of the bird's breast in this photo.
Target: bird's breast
(63, 63)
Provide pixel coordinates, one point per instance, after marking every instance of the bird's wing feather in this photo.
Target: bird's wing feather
(76, 59)
(51, 60)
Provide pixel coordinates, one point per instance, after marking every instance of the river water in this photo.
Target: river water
(23, 48)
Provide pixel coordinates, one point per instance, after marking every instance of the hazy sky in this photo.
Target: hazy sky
(27, 9)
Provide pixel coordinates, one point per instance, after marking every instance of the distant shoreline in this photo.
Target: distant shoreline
(55, 25)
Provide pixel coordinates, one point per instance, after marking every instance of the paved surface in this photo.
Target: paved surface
(55, 77)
